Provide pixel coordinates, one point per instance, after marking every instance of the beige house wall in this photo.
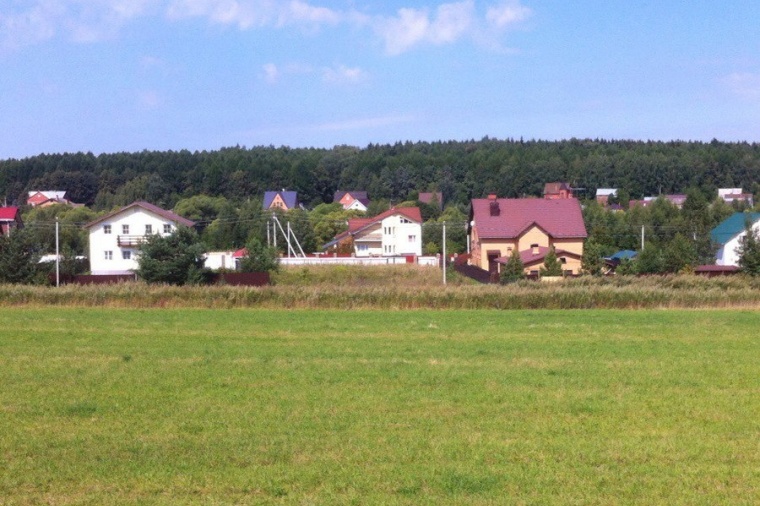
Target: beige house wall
(479, 248)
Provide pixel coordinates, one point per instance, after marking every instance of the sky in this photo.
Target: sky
(106, 76)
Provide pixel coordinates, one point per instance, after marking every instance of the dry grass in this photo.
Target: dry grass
(407, 287)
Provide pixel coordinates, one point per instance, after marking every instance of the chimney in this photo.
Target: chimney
(491, 196)
(494, 206)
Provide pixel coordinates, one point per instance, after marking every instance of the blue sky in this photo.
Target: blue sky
(128, 75)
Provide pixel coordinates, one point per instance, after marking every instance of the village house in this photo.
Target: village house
(37, 198)
(115, 238)
(557, 190)
(603, 195)
(283, 200)
(10, 219)
(731, 195)
(352, 200)
(531, 226)
(431, 198)
(729, 234)
(396, 232)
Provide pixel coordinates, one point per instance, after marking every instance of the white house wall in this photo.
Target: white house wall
(401, 236)
(727, 254)
(137, 219)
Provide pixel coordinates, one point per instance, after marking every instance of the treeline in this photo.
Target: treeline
(461, 170)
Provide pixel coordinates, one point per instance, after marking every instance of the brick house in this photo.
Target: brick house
(531, 226)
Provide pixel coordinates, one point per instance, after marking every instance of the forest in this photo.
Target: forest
(222, 189)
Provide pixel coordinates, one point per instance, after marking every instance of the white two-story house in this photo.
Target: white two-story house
(396, 232)
(115, 238)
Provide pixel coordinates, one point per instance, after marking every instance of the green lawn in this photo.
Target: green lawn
(187, 406)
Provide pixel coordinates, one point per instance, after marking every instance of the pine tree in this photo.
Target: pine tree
(513, 270)
(749, 252)
(552, 265)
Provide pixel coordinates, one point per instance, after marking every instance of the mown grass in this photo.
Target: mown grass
(407, 287)
(187, 406)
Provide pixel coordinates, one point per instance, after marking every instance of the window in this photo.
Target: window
(106, 229)
(412, 238)
(126, 255)
(148, 229)
(362, 247)
(125, 229)
(167, 228)
(404, 220)
(563, 260)
(109, 255)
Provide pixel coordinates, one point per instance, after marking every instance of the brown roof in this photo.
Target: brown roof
(169, 215)
(554, 188)
(356, 225)
(560, 219)
(527, 257)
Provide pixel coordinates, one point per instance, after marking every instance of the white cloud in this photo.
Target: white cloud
(344, 75)
(744, 84)
(507, 14)
(80, 20)
(271, 73)
(34, 21)
(449, 23)
(246, 14)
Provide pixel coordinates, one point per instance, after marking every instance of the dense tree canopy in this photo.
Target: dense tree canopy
(397, 172)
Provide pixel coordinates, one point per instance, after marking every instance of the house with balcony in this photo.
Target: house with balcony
(115, 238)
(396, 232)
(531, 226)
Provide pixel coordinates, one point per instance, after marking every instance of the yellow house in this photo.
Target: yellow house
(531, 226)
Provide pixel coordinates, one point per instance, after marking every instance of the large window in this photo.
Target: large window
(126, 255)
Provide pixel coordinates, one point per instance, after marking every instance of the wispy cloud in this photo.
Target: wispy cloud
(273, 73)
(744, 84)
(344, 75)
(149, 100)
(447, 24)
(34, 21)
(79, 20)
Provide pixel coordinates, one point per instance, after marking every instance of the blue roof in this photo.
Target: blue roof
(625, 254)
(732, 226)
(290, 198)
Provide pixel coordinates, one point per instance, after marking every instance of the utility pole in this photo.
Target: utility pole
(642, 237)
(444, 252)
(57, 257)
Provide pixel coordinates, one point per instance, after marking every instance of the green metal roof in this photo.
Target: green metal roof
(731, 226)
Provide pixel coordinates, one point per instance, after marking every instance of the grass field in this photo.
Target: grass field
(183, 406)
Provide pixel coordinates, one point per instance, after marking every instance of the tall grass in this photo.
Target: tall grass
(406, 287)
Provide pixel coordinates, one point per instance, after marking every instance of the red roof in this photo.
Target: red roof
(527, 257)
(357, 224)
(169, 215)
(560, 219)
(8, 213)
